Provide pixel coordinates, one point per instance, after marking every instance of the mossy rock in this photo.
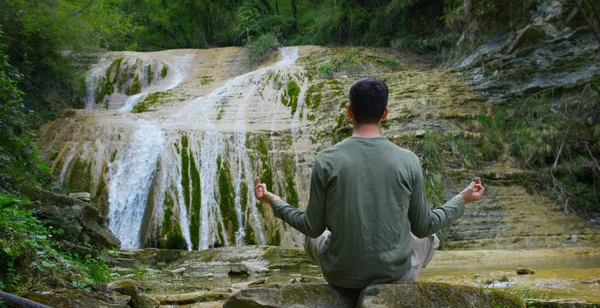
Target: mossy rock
(390, 295)
(435, 295)
(293, 295)
(126, 287)
(138, 300)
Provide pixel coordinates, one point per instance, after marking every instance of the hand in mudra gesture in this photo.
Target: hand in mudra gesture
(473, 192)
(262, 194)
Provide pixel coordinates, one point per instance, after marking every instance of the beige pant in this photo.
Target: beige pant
(423, 250)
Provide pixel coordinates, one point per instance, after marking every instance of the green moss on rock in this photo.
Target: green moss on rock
(150, 74)
(226, 198)
(195, 201)
(136, 86)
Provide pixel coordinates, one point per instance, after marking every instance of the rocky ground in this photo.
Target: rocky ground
(275, 276)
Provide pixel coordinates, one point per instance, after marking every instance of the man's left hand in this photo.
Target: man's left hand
(262, 194)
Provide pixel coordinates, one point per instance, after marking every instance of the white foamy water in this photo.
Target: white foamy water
(130, 185)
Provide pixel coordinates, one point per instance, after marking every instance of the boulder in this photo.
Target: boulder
(138, 300)
(389, 295)
(101, 235)
(80, 221)
(238, 270)
(296, 295)
(435, 295)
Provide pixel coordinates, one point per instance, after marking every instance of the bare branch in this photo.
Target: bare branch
(592, 156)
(590, 23)
(569, 127)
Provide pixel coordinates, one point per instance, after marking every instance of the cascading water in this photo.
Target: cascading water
(130, 185)
(185, 179)
(243, 162)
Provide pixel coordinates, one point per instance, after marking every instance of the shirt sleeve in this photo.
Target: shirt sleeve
(312, 221)
(423, 221)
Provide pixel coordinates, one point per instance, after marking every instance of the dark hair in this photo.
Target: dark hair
(368, 98)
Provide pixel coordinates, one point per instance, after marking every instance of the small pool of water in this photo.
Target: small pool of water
(560, 274)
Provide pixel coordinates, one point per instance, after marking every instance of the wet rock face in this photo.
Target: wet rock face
(391, 295)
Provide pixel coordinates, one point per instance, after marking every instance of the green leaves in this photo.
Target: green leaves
(6, 200)
(25, 243)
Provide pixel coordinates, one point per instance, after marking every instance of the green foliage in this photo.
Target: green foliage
(260, 48)
(325, 70)
(30, 260)
(558, 137)
(391, 64)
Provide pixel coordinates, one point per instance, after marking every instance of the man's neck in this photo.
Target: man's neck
(367, 131)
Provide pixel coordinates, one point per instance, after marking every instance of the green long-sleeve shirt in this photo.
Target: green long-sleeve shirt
(370, 194)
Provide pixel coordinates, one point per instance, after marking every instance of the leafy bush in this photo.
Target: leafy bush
(30, 260)
(260, 48)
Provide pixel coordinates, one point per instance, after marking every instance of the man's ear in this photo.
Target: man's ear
(350, 113)
(385, 114)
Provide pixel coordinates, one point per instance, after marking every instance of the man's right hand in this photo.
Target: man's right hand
(473, 192)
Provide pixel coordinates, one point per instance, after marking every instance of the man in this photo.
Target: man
(366, 197)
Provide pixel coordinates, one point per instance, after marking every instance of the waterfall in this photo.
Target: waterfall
(200, 114)
(189, 170)
(243, 164)
(210, 151)
(130, 185)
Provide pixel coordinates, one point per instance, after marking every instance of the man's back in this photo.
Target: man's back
(370, 194)
(368, 188)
